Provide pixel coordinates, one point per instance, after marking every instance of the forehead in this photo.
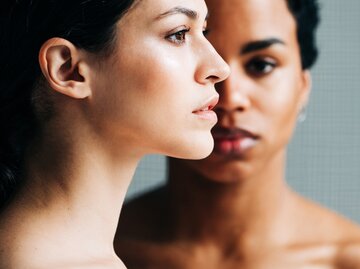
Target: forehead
(255, 19)
(150, 9)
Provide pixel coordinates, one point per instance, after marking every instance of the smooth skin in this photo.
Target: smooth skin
(107, 114)
(234, 209)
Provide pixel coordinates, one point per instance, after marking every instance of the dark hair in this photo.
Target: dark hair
(306, 14)
(24, 26)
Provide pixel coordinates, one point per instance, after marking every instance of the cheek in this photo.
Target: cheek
(152, 95)
(155, 75)
(158, 85)
(281, 109)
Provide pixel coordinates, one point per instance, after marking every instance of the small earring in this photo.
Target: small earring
(302, 114)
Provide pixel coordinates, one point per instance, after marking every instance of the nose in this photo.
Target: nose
(233, 92)
(212, 68)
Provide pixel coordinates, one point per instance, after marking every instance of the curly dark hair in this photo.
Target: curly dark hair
(306, 14)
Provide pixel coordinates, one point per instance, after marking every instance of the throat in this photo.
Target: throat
(230, 214)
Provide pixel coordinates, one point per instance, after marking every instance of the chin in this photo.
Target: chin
(223, 172)
(195, 149)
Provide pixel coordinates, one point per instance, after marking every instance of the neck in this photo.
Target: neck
(77, 188)
(250, 210)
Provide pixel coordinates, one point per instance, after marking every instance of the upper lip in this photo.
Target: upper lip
(209, 104)
(232, 133)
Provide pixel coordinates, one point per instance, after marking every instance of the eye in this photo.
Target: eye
(178, 37)
(261, 66)
(206, 32)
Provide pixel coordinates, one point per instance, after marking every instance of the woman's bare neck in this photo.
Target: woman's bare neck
(70, 204)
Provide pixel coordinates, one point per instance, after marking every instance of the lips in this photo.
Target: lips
(205, 111)
(232, 133)
(208, 105)
(233, 141)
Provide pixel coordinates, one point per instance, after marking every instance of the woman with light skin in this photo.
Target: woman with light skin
(234, 209)
(87, 89)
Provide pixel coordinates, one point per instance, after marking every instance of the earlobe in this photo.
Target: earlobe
(306, 84)
(63, 68)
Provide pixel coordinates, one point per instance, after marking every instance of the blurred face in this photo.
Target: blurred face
(261, 99)
(157, 92)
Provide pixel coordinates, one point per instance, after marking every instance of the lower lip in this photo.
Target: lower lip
(234, 147)
(208, 115)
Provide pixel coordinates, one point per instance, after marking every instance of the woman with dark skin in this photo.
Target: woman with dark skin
(86, 90)
(234, 209)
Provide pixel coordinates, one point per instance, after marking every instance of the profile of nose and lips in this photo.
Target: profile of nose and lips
(212, 70)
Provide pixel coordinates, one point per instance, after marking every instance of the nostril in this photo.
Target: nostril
(213, 78)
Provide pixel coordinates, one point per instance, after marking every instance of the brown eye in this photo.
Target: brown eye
(179, 37)
(260, 66)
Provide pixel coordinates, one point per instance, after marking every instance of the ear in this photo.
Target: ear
(63, 67)
(305, 89)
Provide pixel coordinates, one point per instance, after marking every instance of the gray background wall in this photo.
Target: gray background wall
(324, 156)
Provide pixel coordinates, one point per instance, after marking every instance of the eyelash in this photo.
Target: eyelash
(260, 66)
(179, 37)
(174, 37)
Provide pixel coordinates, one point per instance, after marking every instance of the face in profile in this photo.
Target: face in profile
(260, 101)
(157, 90)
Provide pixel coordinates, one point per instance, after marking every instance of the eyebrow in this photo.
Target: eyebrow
(260, 45)
(192, 14)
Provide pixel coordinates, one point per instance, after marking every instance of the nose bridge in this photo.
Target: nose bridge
(212, 66)
(232, 91)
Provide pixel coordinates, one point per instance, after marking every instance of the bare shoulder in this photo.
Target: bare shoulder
(60, 263)
(349, 256)
(94, 264)
(22, 246)
(326, 224)
(75, 266)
